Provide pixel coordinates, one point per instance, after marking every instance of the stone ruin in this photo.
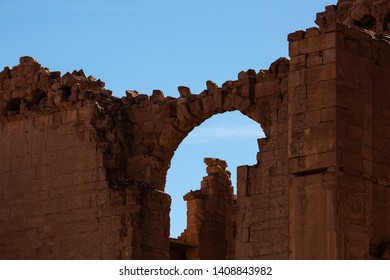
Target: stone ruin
(83, 172)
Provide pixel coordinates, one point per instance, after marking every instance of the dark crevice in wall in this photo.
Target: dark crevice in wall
(13, 106)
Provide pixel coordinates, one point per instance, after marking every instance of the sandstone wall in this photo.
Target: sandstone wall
(58, 198)
(335, 154)
(262, 189)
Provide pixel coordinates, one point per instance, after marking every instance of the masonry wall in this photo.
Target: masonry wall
(363, 144)
(57, 194)
(334, 152)
(160, 123)
(262, 189)
(312, 143)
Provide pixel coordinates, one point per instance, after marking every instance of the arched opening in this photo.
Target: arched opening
(258, 96)
(231, 137)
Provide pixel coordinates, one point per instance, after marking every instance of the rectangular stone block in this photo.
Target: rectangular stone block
(329, 56)
(298, 62)
(196, 108)
(321, 73)
(310, 147)
(312, 32)
(312, 162)
(315, 44)
(312, 118)
(314, 59)
(351, 161)
(296, 36)
(329, 114)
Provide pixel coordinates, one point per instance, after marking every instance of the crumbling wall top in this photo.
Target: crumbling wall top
(29, 88)
(372, 15)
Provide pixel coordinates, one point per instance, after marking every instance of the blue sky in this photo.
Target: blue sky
(146, 45)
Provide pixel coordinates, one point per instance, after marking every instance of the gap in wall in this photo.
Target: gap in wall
(229, 136)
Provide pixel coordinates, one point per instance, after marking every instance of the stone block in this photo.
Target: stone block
(329, 144)
(218, 98)
(329, 114)
(312, 118)
(157, 95)
(310, 147)
(208, 104)
(296, 36)
(227, 103)
(351, 161)
(298, 62)
(329, 56)
(183, 113)
(196, 108)
(184, 91)
(267, 88)
(312, 32)
(314, 59)
(355, 132)
(321, 73)
(315, 44)
(312, 162)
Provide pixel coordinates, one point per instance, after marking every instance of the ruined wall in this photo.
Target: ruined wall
(160, 124)
(335, 155)
(83, 173)
(79, 129)
(210, 216)
(371, 15)
(57, 189)
(262, 189)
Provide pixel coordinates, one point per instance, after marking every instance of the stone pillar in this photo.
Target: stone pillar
(313, 107)
(335, 122)
(209, 214)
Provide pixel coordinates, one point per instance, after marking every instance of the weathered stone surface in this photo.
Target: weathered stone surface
(131, 93)
(371, 15)
(184, 91)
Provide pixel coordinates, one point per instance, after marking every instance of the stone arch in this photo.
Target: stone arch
(162, 123)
